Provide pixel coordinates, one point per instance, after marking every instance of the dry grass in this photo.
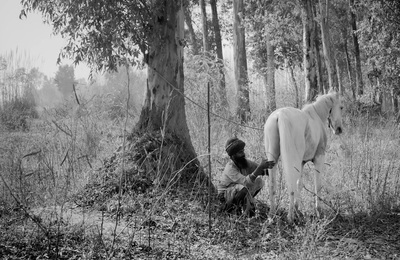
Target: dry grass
(61, 203)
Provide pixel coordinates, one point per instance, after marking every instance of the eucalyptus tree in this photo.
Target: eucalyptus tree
(219, 52)
(213, 52)
(240, 61)
(276, 39)
(64, 79)
(328, 47)
(204, 27)
(353, 20)
(109, 34)
(379, 38)
(193, 41)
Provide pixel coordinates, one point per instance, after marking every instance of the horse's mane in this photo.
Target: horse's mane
(331, 96)
(321, 102)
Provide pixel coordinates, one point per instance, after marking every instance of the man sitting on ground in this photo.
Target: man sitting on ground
(241, 180)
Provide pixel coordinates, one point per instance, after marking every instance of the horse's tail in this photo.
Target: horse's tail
(291, 161)
(289, 153)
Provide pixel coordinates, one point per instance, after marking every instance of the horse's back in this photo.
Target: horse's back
(291, 117)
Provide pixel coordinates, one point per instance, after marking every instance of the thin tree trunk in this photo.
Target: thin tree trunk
(394, 102)
(326, 45)
(311, 88)
(296, 88)
(220, 57)
(193, 39)
(205, 27)
(240, 62)
(270, 74)
(164, 106)
(348, 66)
(339, 78)
(359, 80)
(321, 87)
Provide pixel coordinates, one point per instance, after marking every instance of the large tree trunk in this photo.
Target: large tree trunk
(218, 43)
(164, 106)
(359, 80)
(240, 61)
(310, 70)
(327, 46)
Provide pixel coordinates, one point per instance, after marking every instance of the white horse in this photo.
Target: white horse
(300, 136)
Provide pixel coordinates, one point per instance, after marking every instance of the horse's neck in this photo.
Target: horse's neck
(321, 109)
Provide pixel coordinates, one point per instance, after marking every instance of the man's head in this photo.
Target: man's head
(235, 149)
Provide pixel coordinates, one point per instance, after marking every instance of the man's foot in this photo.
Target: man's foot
(235, 210)
(250, 211)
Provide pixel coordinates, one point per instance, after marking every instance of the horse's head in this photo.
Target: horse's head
(335, 114)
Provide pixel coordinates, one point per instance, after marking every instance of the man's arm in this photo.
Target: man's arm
(262, 169)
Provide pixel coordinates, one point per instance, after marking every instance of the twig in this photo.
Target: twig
(321, 199)
(65, 157)
(76, 96)
(61, 129)
(87, 160)
(32, 153)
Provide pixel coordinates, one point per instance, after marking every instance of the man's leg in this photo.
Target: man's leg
(236, 199)
(254, 190)
(239, 201)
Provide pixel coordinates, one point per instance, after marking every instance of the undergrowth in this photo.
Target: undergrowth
(67, 195)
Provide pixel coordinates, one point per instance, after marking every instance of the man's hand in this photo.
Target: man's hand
(264, 166)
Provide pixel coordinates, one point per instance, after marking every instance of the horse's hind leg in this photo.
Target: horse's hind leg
(272, 149)
(293, 175)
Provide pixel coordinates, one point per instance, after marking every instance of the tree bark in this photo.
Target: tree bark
(310, 70)
(220, 57)
(359, 80)
(240, 62)
(164, 106)
(327, 46)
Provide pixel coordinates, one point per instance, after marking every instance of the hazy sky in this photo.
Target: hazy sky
(31, 36)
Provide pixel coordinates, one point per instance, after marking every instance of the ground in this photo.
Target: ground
(179, 228)
(140, 216)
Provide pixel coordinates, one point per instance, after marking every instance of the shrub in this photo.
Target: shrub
(14, 114)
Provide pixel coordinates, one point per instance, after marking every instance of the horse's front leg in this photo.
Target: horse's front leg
(319, 163)
(272, 190)
(299, 189)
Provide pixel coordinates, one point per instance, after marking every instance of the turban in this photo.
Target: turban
(234, 145)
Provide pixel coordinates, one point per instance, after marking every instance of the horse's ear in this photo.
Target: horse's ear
(331, 100)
